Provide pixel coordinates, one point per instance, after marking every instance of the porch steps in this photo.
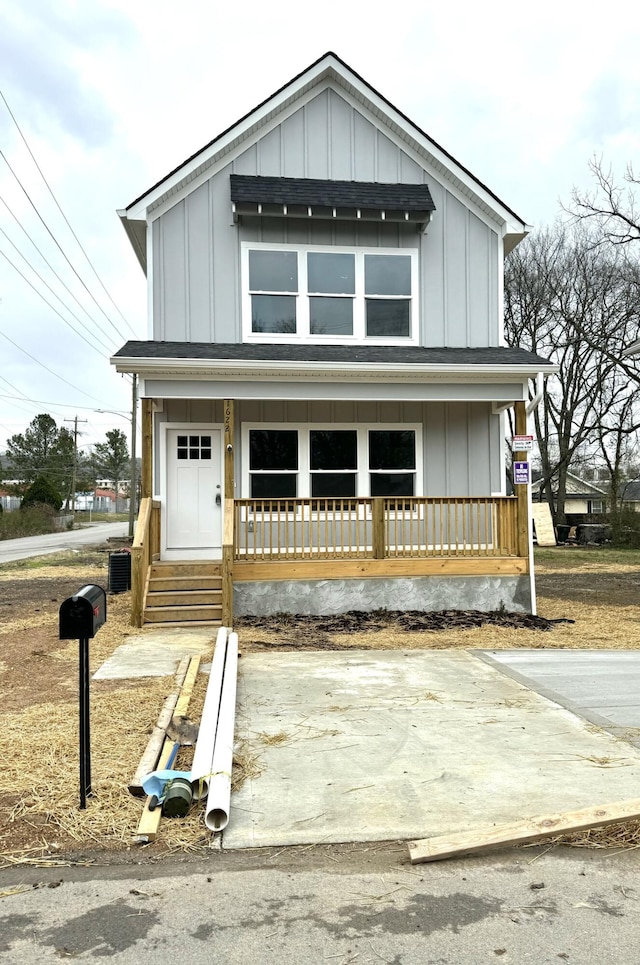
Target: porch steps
(184, 594)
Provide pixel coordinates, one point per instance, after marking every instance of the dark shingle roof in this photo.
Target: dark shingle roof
(382, 354)
(365, 195)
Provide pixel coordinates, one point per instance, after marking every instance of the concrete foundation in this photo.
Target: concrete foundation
(323, 597)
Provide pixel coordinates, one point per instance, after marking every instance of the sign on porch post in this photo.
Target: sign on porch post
(520, 485)
(521, 473)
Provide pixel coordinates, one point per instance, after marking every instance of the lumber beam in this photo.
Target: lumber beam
(154, 746)
(523, 832)
(150, 820)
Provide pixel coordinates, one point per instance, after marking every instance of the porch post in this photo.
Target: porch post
(229, 454)
(146, 479)
(228, 522)
(378, 530)
(522, 495)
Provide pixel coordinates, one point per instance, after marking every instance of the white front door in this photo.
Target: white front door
(194, 497)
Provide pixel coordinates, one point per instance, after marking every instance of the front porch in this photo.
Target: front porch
(325, 544)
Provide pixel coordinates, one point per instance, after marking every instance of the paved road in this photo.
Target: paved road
(22, 549)
(602, 686)
(336, 906)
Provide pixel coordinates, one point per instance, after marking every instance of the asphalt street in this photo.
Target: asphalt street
(28, 546)
(335, 905)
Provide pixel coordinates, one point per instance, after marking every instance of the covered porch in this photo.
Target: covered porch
(356, 548)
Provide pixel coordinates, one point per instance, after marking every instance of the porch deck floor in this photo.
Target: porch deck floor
(375, 746)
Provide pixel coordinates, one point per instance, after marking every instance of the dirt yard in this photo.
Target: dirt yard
(587, 599)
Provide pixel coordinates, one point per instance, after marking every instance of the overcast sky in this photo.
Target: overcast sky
(112, 94)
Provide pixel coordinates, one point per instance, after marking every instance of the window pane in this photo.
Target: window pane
(182, 453)
(182, 440)
(334, 484)
(273, 313)
(388, 318)
(390, 449)
(273, 449)
(205, 440)
(334, 449)
(276, 486)
(331, 273)
(331, 316)
(205, 453)
(273, 271)
(392, 483)
(387, 274)
(194, 453)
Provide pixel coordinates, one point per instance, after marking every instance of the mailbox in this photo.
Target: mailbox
(82, 615)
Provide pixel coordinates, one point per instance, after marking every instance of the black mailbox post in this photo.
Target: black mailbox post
(81, 616)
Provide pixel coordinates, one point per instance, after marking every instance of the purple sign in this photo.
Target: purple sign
(521, 473)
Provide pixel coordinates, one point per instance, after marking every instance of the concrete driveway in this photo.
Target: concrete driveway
(373, 746)
(603, 686)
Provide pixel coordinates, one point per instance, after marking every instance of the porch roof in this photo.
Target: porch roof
(305, 360)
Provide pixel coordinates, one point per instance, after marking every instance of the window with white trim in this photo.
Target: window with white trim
(330, 295)
(331, 461)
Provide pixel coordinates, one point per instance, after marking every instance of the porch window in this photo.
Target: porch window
(273, 463)
(332, 295)
(392, 462)
(333, 462)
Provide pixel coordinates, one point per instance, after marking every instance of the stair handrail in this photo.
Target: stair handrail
(141, 552)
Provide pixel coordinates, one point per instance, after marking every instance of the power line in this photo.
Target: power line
(53, 309)
(42, 365)
(65, 218)
(54, 293)
(59, 246)
(51, 268)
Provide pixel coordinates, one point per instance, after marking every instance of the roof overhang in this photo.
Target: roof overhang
(241, 369)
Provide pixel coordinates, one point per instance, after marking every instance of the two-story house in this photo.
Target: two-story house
(325, 382)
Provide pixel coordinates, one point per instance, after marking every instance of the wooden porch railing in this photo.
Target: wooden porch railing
(146, 546)
(416, 527)
(227, 563)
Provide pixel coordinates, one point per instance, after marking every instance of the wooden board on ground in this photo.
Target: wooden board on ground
(545, 533)
(150, 820)
(524, 832)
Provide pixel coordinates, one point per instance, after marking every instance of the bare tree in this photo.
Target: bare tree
(570, 301)
(610, 207)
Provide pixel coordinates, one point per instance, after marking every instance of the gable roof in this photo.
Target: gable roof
(576, 486)
(332, 69)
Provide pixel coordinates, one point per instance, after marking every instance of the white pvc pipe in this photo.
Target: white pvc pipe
(203, 754)
(219, 798)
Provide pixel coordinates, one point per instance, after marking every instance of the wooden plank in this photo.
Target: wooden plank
(545, 533)
(364, 568)
(182, 704)
(154, 746)
(150, 820)
(522, 832)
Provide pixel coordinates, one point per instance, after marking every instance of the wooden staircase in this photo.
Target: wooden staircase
(185, 594)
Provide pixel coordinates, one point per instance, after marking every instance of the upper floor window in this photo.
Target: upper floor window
(330, 295)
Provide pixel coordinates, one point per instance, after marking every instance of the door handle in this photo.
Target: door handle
(218, 499)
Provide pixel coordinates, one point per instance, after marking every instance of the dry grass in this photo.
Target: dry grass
(41, 818)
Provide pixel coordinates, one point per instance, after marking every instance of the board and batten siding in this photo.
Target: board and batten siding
(460, 440)
(196, 246)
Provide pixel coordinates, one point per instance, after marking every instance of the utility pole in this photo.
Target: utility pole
(75, 459)
(133, 482)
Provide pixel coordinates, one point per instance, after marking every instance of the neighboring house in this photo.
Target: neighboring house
(325, 382)
(582, 497)
(629, 495)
